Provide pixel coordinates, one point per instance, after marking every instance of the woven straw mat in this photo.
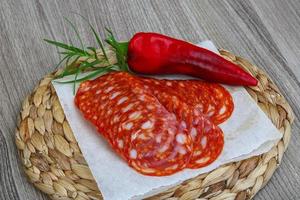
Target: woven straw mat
(54, 163)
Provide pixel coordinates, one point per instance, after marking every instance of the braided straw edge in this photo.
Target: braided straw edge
(53, 162)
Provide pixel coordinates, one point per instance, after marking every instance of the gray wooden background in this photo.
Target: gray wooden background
(265, 32)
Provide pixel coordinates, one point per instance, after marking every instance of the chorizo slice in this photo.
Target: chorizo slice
(211, 99)
(207, 137)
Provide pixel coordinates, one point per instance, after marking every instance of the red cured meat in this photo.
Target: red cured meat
(158, 126)
(140, 129)
(207, 137)
(211, 99)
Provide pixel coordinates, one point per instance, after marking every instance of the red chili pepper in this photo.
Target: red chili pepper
(153, 53)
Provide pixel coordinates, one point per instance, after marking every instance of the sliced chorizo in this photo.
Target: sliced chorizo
(138, 127)
(207, 137)
(211, 99)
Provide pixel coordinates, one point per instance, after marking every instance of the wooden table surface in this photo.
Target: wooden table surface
(265, 32)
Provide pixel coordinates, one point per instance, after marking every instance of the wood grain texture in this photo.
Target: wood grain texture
(265, 32)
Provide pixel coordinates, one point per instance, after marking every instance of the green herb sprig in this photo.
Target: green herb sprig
(71, 54)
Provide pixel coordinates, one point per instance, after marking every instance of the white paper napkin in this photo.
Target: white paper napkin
(248, 132)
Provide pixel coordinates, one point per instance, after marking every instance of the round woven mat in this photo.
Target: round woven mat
(54, 164)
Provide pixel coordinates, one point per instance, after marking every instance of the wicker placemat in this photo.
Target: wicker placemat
(54, 164)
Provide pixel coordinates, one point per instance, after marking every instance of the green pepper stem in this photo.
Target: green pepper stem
(120, 48)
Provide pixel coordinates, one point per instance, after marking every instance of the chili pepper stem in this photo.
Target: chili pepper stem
(120, 48)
